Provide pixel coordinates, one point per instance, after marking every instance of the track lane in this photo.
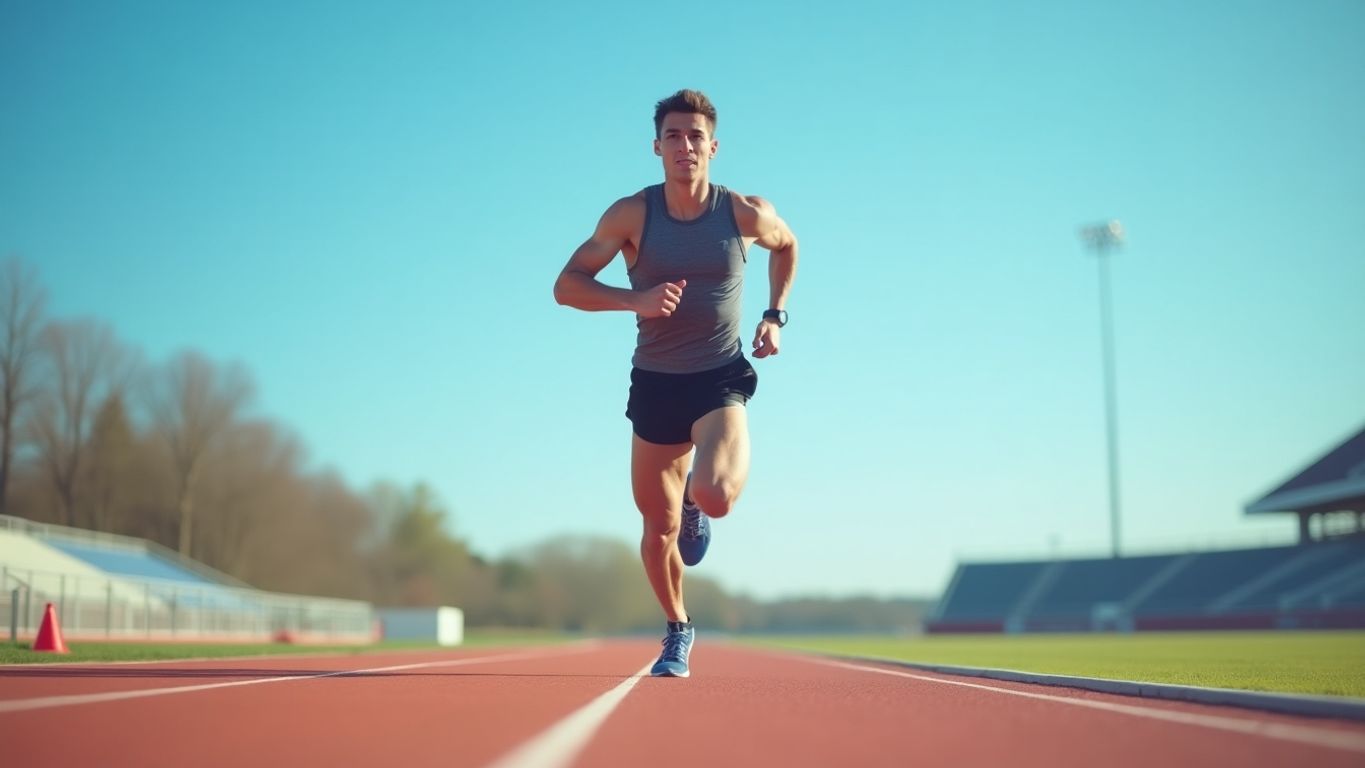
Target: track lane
(741, 707)
(413, 714)
(560, 745)
(160, 680)
(1243, 723)
(745, 707)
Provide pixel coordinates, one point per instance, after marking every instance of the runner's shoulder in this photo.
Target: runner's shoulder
(629, 209)
(750, 210)
(625, 214)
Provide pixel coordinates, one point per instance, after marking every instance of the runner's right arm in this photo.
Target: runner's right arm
(577, 285)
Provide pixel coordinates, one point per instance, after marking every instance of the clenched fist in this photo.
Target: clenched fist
(661, 300)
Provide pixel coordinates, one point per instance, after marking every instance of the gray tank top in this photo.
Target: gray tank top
(707, 252)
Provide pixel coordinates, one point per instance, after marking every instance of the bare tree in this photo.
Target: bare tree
(108, 473)
(86, 366)
(250, 482)
(311, 540)
(192, 404)
(21, 314)
(143, 479)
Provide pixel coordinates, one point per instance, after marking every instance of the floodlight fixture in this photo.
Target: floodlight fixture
(1102, 239)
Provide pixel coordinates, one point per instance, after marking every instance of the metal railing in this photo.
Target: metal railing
(115, 607)
(116, 543)
(118, 608)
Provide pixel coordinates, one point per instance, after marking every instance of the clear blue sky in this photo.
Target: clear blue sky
(366, 205)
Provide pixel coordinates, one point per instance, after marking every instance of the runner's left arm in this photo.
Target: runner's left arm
(771, 232)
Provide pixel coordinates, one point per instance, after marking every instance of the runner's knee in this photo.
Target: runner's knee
(716, 499)
(660, 527)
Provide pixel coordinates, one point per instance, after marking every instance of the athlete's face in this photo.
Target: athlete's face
(686, 145)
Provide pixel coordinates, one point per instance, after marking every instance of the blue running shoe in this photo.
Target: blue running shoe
(677, 645)
(695, 535)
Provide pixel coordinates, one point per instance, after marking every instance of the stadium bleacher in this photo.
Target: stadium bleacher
(988, 591)
(137, 564)
(1300, 571)
(107, 586)
(1208, 577)
(172, 582)
(1084, 587)
(25, 560)
(1319, 584)
(1353, 597)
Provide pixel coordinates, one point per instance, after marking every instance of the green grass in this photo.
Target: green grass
(1327, 663)
(19, 653)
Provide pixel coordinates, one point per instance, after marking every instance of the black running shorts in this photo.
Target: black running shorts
(663, 406)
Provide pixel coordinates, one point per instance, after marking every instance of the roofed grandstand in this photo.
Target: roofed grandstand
(1320, 583)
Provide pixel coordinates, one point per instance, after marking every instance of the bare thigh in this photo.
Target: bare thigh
(721, 468)
(657, 473)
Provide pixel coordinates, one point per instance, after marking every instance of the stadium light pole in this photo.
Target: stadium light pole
(1103, 239)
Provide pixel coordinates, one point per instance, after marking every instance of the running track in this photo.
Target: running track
(588, 705)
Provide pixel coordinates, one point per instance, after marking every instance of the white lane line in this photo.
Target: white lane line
(47, 702)
(1318, 737)
(559, 745)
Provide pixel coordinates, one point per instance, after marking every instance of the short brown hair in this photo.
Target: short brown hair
(687, 101)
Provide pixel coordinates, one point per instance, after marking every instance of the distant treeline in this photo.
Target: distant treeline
(94, 436)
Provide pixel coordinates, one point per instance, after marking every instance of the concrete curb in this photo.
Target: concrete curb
(1342, 707)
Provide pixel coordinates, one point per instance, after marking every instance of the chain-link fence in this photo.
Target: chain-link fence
(116, 607)
(130, 609)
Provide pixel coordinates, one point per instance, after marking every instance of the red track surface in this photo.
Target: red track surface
(741, 707)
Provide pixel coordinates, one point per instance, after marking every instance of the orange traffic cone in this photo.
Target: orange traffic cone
(50, 633)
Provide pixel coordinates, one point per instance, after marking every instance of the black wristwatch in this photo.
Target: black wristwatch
(780, 315)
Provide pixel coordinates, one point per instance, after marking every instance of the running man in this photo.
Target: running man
(685, 244)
